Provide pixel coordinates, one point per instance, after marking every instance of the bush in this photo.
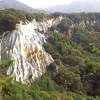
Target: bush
(7, 23)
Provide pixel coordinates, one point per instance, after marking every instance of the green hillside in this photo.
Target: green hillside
(74, 45)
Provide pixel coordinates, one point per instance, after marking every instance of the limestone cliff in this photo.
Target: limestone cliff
(25, 46)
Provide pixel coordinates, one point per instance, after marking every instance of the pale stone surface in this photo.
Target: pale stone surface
(25, 46)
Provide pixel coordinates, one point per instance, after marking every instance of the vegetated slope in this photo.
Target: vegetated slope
(74, 44)
(75, 73)
(7, 4)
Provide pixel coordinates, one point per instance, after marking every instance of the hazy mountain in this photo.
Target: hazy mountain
(77, 6)
(17, 5)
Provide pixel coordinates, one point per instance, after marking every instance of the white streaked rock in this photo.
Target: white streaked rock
(25, 46)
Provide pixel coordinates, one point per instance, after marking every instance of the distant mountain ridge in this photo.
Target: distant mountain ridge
(77, 6)
(6, 4)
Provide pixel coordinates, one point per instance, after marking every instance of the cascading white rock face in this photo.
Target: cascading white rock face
(25, 46)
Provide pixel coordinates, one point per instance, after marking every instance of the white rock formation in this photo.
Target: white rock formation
(25, 46)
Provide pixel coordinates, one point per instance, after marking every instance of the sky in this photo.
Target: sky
(45, 3)
(50, 3)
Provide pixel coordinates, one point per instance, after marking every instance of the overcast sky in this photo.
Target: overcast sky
(45, 3)
(49, 3)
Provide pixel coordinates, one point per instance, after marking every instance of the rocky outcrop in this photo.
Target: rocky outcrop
(25, 47)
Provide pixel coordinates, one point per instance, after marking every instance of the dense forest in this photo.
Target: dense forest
(74, 45)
